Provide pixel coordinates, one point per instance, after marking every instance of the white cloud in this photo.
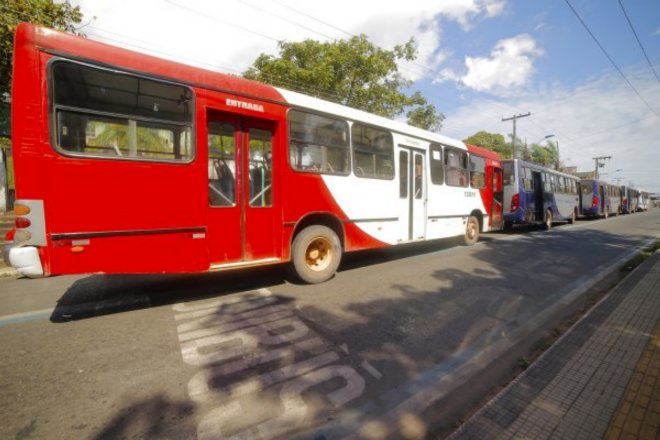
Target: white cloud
(600, 117)
(229, 35)
(511, 64)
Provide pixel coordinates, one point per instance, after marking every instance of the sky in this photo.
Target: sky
(479, 61)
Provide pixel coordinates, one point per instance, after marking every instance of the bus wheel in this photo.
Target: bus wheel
(471, 231)
(507, 226)
(315, 254)
(547, 222)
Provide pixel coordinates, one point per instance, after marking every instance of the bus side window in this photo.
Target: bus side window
(456, 167)
(437, 165)
(477, 172)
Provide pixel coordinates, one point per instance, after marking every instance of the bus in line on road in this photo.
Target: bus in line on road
(644, 201)
(126, 163)
(534, 194)
(599, 199)
(630, 199)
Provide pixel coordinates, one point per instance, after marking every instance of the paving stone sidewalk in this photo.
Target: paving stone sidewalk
(599, 380)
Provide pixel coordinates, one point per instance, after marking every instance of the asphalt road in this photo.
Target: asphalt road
(372, 353)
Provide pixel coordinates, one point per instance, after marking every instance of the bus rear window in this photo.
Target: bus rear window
(98, 112)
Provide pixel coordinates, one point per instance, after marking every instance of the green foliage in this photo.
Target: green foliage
(351, 72)
(548, 156)
(45, 12)
(4, 119)
(492, 141)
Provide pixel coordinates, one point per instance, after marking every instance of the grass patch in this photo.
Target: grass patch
(639, 258)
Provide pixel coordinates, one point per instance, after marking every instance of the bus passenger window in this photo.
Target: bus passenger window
(456, 167)
(477, 172)
(373, 152)
(105, 113)
(318, 143)
(437, 165)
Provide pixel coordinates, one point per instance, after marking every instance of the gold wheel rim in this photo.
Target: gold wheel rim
(472, 230)
(319, 254)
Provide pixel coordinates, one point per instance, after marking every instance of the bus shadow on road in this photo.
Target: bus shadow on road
(99, 295)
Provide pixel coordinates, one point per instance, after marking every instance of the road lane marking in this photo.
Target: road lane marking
(370, 368)
(247, 344)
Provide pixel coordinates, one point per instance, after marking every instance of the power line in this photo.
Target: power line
(632, 28)
(610, 58)
(291, 8)
(295, 23)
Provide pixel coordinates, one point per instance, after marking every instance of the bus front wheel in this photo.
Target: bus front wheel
(315, 254)
(471, 231)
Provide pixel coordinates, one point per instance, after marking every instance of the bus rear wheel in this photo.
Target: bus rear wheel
(315, 254)
(547, 222)
(471, 231)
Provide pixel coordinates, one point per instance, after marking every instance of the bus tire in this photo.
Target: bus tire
(547, 221)
(507, 226)
(471, 235)
(315, 254)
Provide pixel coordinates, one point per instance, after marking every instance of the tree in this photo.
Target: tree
(351, 72)
(12, 12)
(492, 141)
(545, 155)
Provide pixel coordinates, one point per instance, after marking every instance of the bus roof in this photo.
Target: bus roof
(540, 167)
(483, 152)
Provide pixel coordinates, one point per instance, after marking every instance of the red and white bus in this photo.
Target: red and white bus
(126, 163)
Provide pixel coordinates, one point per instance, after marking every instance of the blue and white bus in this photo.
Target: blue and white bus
(629, 200)
(599, 199)
(537, 195)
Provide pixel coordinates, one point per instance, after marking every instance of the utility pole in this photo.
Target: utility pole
(514, 118)
(598, 164)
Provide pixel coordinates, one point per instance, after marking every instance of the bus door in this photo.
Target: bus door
(412, 193)
(603, 205)
(538, 196)
(241, 218)
(498, 199)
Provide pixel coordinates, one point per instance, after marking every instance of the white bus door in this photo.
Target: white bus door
(412, 194)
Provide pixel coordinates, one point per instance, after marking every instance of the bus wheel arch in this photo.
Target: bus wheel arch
(316, 248)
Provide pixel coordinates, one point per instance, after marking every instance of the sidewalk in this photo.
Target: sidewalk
(599, 380)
